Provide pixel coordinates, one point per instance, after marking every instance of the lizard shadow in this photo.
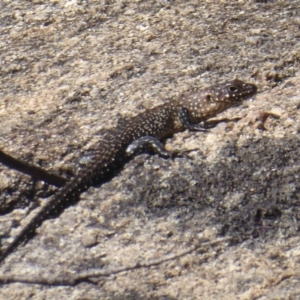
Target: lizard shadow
(248, 192)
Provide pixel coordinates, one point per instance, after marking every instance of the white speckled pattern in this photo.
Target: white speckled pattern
(159, 122)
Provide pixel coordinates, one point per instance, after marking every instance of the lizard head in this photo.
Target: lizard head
(208, 102)
(231, 92)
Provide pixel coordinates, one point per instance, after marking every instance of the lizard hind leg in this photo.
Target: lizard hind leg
(147, 144)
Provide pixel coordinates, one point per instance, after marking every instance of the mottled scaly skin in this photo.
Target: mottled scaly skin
(154, 124)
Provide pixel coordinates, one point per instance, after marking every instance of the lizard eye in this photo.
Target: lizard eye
(232, 89)
(209, 98)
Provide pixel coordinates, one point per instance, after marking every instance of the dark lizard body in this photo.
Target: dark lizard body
(146, 129)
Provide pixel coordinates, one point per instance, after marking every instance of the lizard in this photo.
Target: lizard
(146, 130)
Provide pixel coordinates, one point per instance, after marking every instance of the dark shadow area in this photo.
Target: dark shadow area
(251, 192)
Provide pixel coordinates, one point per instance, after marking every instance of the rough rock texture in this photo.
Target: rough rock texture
(71, 69)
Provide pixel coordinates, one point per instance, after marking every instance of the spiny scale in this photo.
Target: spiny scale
(146, 129)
